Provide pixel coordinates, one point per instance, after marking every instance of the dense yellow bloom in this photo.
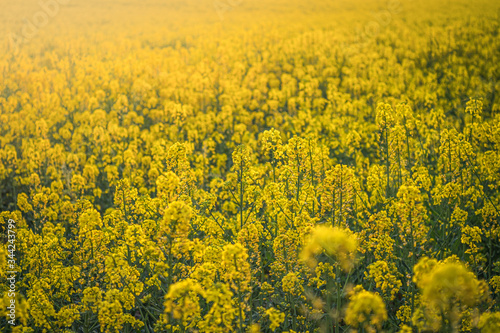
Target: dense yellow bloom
(22, 203)
(222, 313)
(254, 328)
(67, 315)
(291, 284)
(112, 316)
(449, 289)
(385, 116)
(340, 185)
(385, 278)
(92, 297)
(474, 107)
(449, 282)
(40, 307)
(489, 322)
(421, 270)
(366, 310)
(236, 267)
(495, 283)
(337, 242)
(167, 186)
(182, 303)
(224, 166)
(276, 317)
(324, 272)
(175, 222)
(272, 144)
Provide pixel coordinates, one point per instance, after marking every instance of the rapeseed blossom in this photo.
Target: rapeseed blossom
(193, 169)
(336, 242)
(366, 310)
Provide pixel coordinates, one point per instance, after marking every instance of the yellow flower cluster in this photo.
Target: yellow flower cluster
(338, 243)
(490, 322)
(385, 278)
(276, 317)
(366, 310)
(449, 290)
(250, 166)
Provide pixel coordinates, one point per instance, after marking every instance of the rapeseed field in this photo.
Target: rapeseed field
(250, 166)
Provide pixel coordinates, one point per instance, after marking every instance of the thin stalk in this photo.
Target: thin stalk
(241, 194)
(387, 163)
(239, 301)
(339, 303)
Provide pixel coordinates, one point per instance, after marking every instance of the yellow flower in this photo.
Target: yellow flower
(175, 222)
(495, 283)
(112, 316)
(276, 317)
(236, 267)
(167, 186)
(67, 315)
(182, 302)
(337, 242)
(254, 328)
(292, 284)
(22, 203)
(92, 297)
(448, 282)
(366, 310)
(421, 269)
(385, 278)
(449, 292)
(474, 107)
(490, 322)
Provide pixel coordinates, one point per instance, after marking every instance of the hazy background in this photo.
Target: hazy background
(164, 19)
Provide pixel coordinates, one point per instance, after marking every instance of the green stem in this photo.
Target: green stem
(241, 194)
(239, 301)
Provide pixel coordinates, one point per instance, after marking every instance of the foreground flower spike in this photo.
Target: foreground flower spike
(448, 291)
(182, 304)
(490, 322)
(366, 310)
